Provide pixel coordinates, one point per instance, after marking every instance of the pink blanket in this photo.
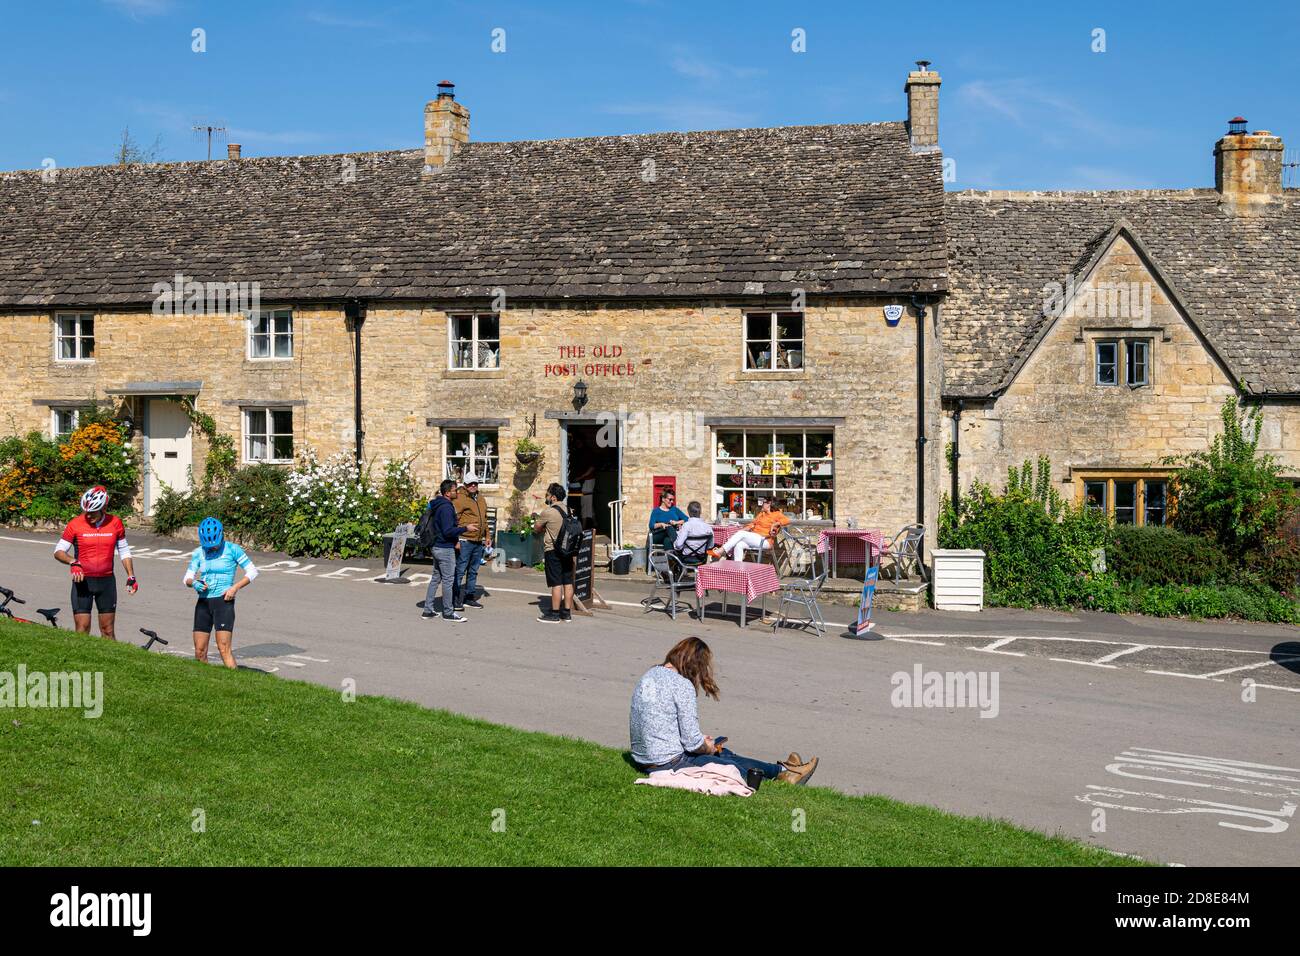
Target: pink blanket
(716, 779)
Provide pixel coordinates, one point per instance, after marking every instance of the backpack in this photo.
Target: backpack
(568, 540)
(424, 530)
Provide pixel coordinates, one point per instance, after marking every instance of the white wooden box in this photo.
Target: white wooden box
(958, 580)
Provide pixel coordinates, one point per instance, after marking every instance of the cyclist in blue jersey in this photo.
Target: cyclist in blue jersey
(212, 575)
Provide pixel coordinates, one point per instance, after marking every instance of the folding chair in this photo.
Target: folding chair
(907, 551)
(670, 575)
(804, 591)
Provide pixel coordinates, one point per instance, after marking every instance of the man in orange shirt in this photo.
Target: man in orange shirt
(758, 534)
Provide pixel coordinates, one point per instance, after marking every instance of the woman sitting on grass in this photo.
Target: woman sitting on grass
(666, 727)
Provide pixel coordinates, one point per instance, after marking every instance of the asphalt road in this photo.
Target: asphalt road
(1173, 741)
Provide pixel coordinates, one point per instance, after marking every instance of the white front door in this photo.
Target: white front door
(170, 450)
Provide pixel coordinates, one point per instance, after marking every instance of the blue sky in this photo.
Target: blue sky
(1025, 103)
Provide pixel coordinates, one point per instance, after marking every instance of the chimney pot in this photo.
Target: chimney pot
(1237, 126)
(232, 150)
(447, 88)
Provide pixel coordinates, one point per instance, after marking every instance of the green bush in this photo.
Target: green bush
(175, 509)
(1153, 555)
(254, 506)
(1038, 549)
(42, 479)
(1232, 493)
(1208, 601)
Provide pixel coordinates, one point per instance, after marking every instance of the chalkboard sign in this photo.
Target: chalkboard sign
(584, 567)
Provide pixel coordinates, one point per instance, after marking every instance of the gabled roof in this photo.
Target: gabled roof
(828, 209)
(1237, 278)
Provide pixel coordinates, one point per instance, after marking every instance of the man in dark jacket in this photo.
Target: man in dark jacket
(446, 533)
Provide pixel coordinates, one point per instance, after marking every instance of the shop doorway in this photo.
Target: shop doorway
(593, 472)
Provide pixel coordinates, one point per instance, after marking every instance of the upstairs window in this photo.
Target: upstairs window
(74, 337)
(474, 342)
(1123, 360)
(270, 334)
(774, 341)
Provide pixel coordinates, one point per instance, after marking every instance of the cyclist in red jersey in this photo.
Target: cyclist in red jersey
(88, 545)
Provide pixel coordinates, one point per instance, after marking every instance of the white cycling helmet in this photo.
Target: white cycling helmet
(96, 499)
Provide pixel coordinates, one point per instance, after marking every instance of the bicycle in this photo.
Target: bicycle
(153, 638)
(51, 614)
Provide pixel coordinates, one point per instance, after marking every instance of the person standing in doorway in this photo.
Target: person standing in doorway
(559, 569)
(471, 512)
(446, 533)
(88, 545)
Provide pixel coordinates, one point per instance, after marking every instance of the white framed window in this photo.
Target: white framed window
(268, 434)
(474, 451)
(794, 467)
(63, 421)
(474, 341)
(270, 334)
(74, 337)
(773, 341)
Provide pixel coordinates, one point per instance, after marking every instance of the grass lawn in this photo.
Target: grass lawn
(288, 773)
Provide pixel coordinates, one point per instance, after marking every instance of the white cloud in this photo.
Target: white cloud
(1024, 102)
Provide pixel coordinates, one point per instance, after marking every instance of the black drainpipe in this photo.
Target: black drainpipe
(918, 303)
(355, 310)
(956, 455)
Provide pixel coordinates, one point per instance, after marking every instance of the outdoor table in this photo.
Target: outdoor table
(749, 579)
(857, 542)
(722, 533)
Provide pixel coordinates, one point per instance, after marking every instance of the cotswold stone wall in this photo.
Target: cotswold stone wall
(684, 359)
(1054, 407)
(141, 347)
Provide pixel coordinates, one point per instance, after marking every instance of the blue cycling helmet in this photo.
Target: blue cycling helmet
(210, 533)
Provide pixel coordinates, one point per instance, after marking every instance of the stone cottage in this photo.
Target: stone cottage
(1106, 329)
(738, 314)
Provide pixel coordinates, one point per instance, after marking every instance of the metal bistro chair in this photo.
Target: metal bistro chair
(906, 551)
(695, 549)
(670, 575)
(803, 591)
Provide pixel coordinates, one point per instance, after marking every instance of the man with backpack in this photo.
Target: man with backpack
(561, 538)
(439, 533)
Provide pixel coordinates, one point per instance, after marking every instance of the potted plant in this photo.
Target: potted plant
(518, 540)
(528, 452)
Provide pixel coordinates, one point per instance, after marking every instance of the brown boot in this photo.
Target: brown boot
(793, 760)
(798, 773)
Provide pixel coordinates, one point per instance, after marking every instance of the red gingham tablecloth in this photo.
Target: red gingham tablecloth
(737, 577)
(722, 532)
(850, 543)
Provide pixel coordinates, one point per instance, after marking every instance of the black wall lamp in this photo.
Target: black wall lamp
(579, 395)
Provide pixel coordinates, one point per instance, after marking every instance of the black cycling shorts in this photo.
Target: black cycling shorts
(559, 571)
(214, 613)
(98, 592)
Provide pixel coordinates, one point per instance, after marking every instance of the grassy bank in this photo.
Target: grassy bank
(289, 773)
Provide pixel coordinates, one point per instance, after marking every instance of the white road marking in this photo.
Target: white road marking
(1272, 819)
(1251, 667)
(341, 574)
(910, 640)
(315, 660)
(1117, 654)
(1071, 660)
(1000, 642)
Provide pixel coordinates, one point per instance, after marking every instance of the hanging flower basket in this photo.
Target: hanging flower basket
(528, 453)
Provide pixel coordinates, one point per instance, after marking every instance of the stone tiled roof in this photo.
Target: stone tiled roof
(829, 209)
(1238, 277)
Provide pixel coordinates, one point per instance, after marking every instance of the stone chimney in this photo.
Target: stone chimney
(446, 129)
(232, 151)
(922, 89)
(1248, 166)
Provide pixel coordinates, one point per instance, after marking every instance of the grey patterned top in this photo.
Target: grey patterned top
(665, 723)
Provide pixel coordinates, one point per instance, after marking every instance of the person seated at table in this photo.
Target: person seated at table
(665, 724)
(695, 527)
(758, 534)
(665, 520)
